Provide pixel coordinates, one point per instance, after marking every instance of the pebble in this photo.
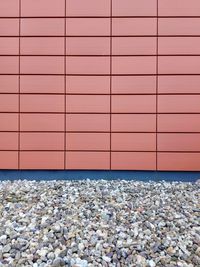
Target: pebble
(151, 263)
(140, 260)
(6, 248)
(99, 223)
(58, 262)
(171, 251)
(198, 251)
(81, 246)
(106, 259)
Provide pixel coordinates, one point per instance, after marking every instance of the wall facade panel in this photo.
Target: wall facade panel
(100, 84)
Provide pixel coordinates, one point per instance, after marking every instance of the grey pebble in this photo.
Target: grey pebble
(93, 223)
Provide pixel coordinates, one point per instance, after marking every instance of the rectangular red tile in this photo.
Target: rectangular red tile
(133, 84)
(178, 142)
(178, 161)
(9, 84)
(42, 65)
(88, 65)
(179, 103)
(9, 8)
(8, 122)
(179, 84)
(9, 103)
(42, 122)
(9, 160)
(8, 141)
(9, 45)
(9, 27)
(88, 26)
(88, 46)
(179, 65)
(42, 45)
(179, 45)
(42, 103)
(41, 141)
(88, 122)
(88, 141)
(179, 26)
(42, 27)
(88, 8)
(134, 45)
(42, 8)
(133, 161)
(133, 141)
(9, 64)
(179, 8)
(179, 122)
(133, 104)
(134, 8)
(88, 103)
(134, 26)
(133, 123)
(88, 84)
(134, 65)
(41, 160)
(88, 160)
(42, 84)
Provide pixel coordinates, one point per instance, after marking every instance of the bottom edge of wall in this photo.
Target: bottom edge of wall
(183, 176)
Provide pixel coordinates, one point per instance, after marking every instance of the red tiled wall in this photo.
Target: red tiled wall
(100, 84)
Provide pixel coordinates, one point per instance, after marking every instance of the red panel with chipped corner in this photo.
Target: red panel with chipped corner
(100, 84)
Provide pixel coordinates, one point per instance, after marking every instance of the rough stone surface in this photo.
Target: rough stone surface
(92, 223)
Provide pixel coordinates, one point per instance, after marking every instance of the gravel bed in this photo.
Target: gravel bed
(99, 223)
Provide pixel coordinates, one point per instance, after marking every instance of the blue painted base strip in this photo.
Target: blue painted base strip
(95, 175)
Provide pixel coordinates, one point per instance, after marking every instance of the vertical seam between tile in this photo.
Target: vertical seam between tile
(157, 88)
(19, 85)
(65, 85)
(110, 84)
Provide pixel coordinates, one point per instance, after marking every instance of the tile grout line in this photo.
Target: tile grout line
(157, 87)
(102, 17)
(19, 85)
(65, 85)
(110, 84)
